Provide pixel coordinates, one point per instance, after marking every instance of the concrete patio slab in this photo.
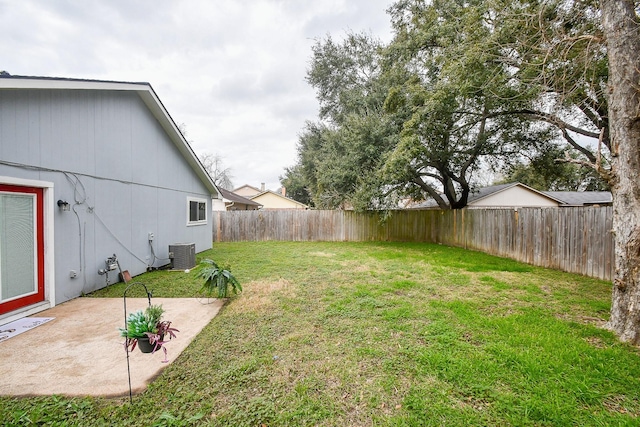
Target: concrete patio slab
(80, 353)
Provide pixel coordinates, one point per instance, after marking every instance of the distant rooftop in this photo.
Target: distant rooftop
(564, 198)
(582, 198)
(236, 198)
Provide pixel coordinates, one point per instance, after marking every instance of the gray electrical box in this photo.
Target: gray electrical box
(182, 255)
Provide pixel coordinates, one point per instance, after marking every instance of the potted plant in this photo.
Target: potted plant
(147, 330)
(218, 281)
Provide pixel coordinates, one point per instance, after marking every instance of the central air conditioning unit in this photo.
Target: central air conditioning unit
(182, 256)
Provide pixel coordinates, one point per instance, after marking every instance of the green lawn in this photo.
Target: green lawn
(379, 334)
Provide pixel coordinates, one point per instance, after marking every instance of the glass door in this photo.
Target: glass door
(21, 247)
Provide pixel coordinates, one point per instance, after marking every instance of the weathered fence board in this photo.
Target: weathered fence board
(577, 240)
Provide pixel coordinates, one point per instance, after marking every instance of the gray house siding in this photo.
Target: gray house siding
(109, 157)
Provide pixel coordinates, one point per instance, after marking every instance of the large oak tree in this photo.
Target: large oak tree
(462, 104)
(470, 83)
(622, 33)
(340, 154)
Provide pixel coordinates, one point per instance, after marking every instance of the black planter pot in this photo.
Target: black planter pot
(145, 346)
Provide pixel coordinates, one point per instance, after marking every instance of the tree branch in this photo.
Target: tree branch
(552, 119)
(431, 192)
(595, 164)
(574, 144)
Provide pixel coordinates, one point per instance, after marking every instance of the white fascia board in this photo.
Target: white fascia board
(51, 83)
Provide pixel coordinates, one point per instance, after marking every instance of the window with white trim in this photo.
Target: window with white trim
(196, 211)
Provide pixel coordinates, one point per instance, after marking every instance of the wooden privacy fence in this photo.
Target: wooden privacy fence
(577, 240)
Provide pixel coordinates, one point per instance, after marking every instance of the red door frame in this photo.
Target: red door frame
(39, 295)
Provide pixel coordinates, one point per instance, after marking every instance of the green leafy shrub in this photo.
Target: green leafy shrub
(218, 280)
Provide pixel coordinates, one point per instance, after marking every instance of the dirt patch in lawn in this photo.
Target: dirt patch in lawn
(258, 295)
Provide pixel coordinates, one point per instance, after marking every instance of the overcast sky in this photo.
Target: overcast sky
(232, 71)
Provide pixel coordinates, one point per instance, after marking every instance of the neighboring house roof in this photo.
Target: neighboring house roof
(247, 190)
(516, 194)
(236, 198)
(478, 196)
(272, 200)
(582, 198)
(143, 89)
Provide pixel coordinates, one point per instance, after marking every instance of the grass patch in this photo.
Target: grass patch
(379, 334)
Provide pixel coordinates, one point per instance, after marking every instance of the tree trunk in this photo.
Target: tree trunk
(622, 34)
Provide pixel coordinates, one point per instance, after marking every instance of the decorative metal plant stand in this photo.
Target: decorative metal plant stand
(124, 298)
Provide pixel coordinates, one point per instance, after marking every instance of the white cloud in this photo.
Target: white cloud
(233, 71)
